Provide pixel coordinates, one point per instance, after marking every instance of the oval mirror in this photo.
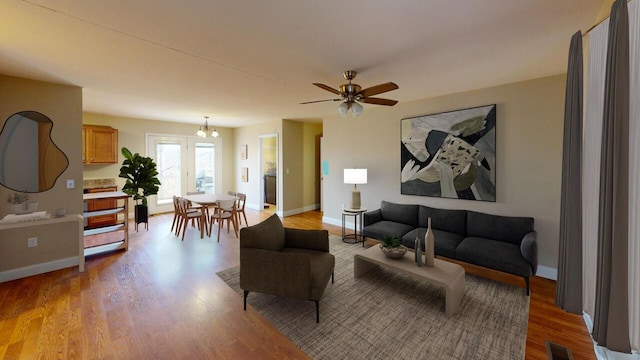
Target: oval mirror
(29, 160)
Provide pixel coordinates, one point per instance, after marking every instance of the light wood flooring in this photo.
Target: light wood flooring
(163, 300)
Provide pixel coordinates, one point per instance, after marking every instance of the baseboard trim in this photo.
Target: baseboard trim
(299, 210)
(547, 272)
(36, 269)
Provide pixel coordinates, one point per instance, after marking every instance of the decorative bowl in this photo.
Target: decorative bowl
(394, 252)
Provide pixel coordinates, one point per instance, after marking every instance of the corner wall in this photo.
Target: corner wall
(63, 105)
(529, 156)
(58, 240)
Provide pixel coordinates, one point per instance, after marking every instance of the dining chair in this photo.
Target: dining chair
(232, 193)
(226, 210)
(242, 199)
(176, 216)
(187, 213)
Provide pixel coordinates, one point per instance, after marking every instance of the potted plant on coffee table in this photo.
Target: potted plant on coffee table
(142, 181)
(391, 247)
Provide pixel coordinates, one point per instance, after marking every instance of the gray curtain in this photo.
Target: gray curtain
(569, 285)
(611, 318)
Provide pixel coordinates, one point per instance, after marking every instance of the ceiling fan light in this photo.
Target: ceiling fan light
(343, 108)
(356, 109)
(214, 133)
(201, 133)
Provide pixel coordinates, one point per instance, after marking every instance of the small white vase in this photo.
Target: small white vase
(429, 246)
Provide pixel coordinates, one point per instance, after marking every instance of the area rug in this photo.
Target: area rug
(385, 315)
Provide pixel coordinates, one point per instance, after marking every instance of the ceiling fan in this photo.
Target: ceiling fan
(352, 94)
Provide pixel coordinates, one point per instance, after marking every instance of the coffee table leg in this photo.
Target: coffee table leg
(361, 266)
(453, 295)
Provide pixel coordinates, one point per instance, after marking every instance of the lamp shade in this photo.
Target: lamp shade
(355, 176)
(343, 108)
(356, 109)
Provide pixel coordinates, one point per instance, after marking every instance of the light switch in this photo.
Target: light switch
(71, 184)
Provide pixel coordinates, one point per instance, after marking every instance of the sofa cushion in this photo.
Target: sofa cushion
(453, 221)
(400, 213)
(493, 254)
(386, 228)
(445, 242)
(503, 228)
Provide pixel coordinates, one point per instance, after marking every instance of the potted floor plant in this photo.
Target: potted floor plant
(142, 181)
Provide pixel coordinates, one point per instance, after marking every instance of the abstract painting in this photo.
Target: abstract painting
(450, 154)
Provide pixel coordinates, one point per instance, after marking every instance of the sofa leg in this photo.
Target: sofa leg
(526, 280)
(317, 311)
(246, 293)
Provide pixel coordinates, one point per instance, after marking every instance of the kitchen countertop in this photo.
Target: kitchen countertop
(98, 183)
(106, 195)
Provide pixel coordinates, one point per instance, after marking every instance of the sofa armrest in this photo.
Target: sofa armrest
(307, 239)
(529, 250)
(372, 217)
(274, 272)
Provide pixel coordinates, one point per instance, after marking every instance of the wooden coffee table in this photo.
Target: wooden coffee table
(444, 273)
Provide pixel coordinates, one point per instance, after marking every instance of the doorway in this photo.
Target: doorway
(269, 172)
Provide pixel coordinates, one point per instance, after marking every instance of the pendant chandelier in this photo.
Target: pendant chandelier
(204, 129)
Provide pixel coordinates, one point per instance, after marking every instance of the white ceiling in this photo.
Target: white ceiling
(248, 61)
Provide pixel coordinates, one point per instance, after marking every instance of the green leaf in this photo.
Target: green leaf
(141, 175)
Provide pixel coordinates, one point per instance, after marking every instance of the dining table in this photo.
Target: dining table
(208, 200)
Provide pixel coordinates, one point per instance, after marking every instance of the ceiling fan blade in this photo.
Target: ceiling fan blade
(327, 87)
(378, 89)
(317, 101)
(379, 101)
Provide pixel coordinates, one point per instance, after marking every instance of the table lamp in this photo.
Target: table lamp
(355, 177)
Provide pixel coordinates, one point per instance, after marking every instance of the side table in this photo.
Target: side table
(357, 236)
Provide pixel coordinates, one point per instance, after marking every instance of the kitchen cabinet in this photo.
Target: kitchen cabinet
(99, 144)
(101, 204)
(109, 237)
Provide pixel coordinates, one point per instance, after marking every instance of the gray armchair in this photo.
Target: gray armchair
(282, 261)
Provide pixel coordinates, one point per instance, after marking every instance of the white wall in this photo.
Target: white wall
(250, 136)
(529, 156)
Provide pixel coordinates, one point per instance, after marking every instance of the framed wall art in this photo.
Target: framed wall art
(245, 174)
(450, 154)
(243, 152)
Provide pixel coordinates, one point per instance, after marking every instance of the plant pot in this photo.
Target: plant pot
(24, 208)
(394, 252)
(141, 215)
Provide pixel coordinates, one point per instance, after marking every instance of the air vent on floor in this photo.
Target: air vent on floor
(558, 352)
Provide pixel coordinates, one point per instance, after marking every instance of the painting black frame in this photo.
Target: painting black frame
(458, 146)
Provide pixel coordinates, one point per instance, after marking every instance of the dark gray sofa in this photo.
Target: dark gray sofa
(503, 243)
